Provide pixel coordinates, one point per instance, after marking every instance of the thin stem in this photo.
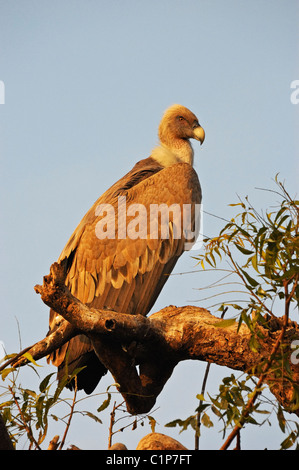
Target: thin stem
(112, 421)
(200, 403)
(203, 388)
(23, 419)
(70, 415)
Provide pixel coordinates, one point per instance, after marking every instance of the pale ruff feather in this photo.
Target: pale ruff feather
(167, 157)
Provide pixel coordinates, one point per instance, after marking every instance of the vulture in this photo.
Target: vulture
(125, 270)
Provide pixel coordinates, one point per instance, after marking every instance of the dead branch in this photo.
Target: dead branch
(42, 348)
(158, 343)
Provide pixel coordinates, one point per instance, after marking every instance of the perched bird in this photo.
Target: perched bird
(125, 268)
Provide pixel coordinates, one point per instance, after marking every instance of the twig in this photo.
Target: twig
(112, 421)
(238, 444)
(71, 414)
(44, 347)
(28, 428)
(198, 424)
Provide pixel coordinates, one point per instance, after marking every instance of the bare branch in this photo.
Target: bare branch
(157, 343)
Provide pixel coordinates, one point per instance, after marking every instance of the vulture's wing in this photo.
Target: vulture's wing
(126, 274)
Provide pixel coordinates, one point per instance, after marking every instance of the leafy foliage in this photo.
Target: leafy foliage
(28, 412)
(269, 246)
(260, 253)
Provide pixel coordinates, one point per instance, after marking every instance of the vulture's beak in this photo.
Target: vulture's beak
(199, 134)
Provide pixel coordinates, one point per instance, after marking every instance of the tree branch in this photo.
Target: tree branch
(158, 343)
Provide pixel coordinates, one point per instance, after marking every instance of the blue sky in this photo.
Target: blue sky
(86, 83)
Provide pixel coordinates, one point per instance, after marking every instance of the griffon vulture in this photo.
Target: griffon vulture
(126, 273)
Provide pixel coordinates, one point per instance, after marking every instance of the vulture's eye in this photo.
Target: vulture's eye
(180, 118)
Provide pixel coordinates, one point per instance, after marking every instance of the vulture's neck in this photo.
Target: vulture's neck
(180, 151)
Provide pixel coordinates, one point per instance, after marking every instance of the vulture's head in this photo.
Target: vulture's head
(177, 126)
(179, 122)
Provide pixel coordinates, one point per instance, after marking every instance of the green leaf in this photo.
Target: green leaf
(216, 411)
(281, 419)
(6, 403)
(153, 423)
(174, 423)
(244, 250)
(92, 416)
(289, 441)
(44, 383)
(206, 421)
(39, 411)
(254, 262)
(202, 407)
(5, 372)
(29, 393)
(237, 204)
(249, 279)
(200, 397)
(190, 421)
(105, 404)
(254, 344)
(115, 384)
(246, 319)
(28, 356)
(224, 323)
